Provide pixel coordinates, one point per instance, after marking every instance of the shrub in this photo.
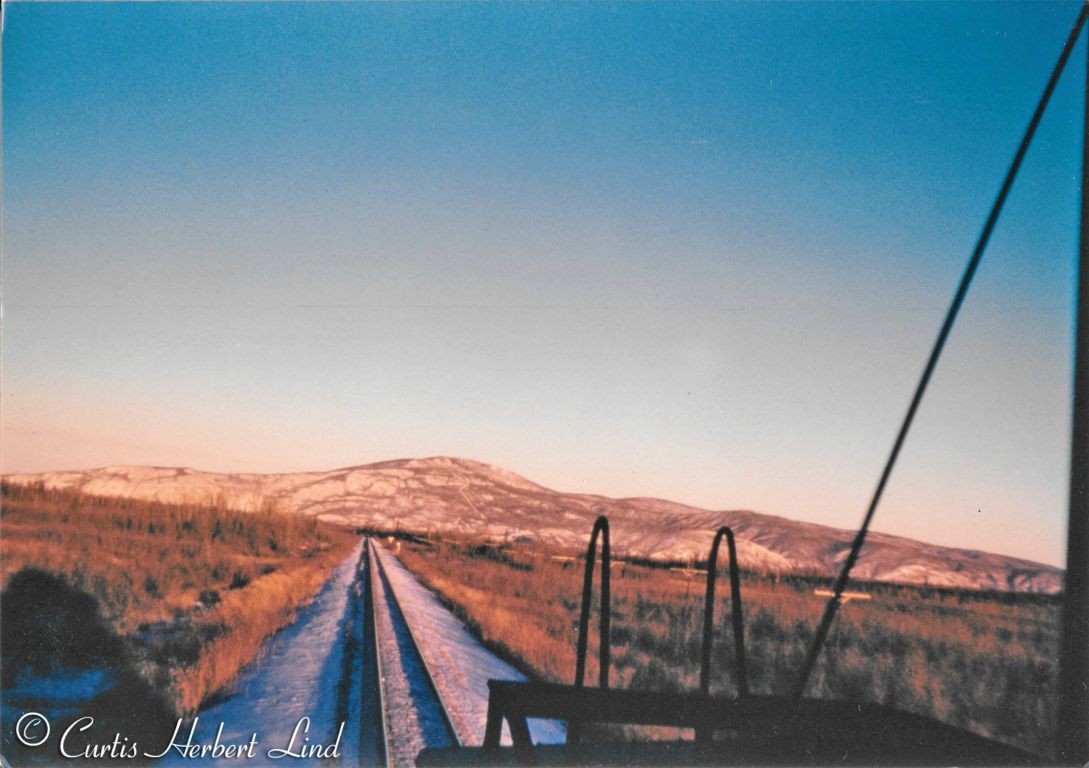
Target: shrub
(984, 661)
(146, 565)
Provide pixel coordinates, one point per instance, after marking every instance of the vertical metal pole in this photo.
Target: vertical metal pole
(935, 353)
(1072, 736)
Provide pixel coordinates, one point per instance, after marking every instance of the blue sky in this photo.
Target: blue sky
(691, 251)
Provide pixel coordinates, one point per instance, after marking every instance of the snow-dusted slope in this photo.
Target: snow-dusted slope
(459, 496)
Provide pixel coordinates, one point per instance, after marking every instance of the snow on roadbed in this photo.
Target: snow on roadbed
(414, 718)
(295, 676)
(460, 665)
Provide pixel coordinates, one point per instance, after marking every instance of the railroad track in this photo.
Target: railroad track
(409, 713)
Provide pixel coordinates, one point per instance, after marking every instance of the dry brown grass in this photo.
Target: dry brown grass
(983, 662)
(214, 581)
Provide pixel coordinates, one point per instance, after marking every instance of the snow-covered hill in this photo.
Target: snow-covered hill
(459, 496)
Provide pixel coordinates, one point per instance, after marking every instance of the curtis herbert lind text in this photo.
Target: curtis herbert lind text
(33, 730)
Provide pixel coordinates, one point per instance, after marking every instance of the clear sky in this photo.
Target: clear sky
(690, 251)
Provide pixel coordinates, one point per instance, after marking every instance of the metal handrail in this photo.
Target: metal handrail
(741, 672)
(601, 527)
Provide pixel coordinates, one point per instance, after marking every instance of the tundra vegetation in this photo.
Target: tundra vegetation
(981, 661)
(191, 590)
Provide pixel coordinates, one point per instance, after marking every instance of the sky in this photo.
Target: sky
(697, 252)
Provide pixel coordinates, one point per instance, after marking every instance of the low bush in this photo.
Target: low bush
(980, 661)
(193, 590)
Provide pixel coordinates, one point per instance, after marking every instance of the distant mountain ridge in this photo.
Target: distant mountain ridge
(445, 495)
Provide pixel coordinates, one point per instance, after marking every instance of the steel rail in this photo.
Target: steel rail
(379, 676)
(416, 648)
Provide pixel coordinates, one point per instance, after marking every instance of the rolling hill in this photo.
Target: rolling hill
(458, 496)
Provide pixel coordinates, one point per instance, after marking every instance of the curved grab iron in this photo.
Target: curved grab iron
(601, 526)
(709, 615)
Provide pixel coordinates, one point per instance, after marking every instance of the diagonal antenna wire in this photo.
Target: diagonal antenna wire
(932, 362)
